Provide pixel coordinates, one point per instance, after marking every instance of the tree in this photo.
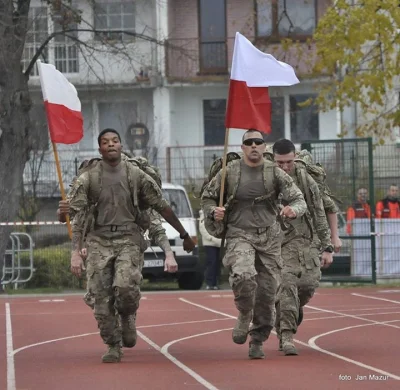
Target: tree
(357, 46)
(17, 136)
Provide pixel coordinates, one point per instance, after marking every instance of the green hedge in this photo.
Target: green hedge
(52, 269)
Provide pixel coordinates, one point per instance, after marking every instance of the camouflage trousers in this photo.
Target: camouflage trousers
(113, 270)
(301, 274)
(254, 264)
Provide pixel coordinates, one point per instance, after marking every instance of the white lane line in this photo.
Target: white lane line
(10, 351)
(186, 369)
(310, 345)
(95, 333)
(377, 298)
(353, 316)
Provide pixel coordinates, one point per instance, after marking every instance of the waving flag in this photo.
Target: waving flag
(63, 107)
(252, 72)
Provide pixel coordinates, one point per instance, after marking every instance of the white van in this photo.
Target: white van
(190, 273)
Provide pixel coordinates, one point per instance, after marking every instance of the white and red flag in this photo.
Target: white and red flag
(252, 72)
(63, 107)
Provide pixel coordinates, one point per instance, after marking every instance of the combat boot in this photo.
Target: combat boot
(113, 355)
(241, 329)
(287, 343)
(255, 350)
(129, 335)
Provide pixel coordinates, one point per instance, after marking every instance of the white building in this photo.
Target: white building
(175, 82)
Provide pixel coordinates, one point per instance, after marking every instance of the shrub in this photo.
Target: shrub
(52, 269)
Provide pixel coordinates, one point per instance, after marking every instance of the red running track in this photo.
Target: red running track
(349, 340)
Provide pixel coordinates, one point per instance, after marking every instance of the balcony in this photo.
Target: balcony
(193, 61)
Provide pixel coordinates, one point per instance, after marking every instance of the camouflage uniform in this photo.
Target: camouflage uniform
(115, 252)
(301, 248)
(252, 255)
(156, 233)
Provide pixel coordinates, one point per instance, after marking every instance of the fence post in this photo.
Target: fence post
(372, 203)
(168, 164)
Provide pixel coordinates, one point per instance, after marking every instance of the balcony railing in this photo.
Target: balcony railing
(191, 60)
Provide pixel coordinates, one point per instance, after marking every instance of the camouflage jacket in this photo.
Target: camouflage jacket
(315, 208)
(276, 181)
(83, 195)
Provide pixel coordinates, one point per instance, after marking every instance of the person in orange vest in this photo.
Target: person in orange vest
(359, 209)
(389, 207)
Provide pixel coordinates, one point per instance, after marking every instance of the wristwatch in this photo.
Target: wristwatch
(184, 235)
(329, 249)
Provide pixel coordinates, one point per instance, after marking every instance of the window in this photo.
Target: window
(115, 15)
(37, 33)
(62, 51)
(214, 121)
(304, 120)
(277, 119)
(65, 47)
(283, 18)
(178, 202)
(212, 34)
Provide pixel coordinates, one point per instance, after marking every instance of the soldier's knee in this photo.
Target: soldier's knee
(127, 299)
(245, 283)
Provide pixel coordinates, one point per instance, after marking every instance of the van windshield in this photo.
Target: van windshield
(178, 202)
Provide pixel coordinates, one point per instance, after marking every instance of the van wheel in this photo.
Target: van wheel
(191, 281)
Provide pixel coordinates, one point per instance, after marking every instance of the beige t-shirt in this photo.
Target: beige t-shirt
(115, 204)
(245, 212)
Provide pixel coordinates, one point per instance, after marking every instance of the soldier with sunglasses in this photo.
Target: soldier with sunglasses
(253, 236)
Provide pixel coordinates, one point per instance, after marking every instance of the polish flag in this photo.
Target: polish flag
(63, 107)
(249, 105)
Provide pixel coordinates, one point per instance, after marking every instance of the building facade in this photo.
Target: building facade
(158, 72)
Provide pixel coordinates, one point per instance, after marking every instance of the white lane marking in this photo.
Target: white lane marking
(310, 345)
(353, 316)
(389, 291)
(371, 297)
(51, 300)
(10, 351)
(186, 369)
(95, 333)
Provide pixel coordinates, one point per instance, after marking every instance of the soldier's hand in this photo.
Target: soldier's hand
(326, 259)
(337, 244)
(63, 206)
(83, 253)
(219, 213)
(77, 264)
(188, 244)
(170, 263)
(288, 212)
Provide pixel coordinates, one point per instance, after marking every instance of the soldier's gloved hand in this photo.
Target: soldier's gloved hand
(170, 263)
(326, 259)
(219, 213)
(77, 264)
(337, 244)
(288, 212)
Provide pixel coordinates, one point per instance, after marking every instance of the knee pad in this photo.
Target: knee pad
(127, 300)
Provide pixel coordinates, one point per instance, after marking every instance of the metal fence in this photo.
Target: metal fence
(371, 247)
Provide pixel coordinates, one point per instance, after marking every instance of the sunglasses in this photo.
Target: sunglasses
(257, 141)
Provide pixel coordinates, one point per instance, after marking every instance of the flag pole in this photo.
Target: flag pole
(57, 160)
(55, 152)
(221, 195)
